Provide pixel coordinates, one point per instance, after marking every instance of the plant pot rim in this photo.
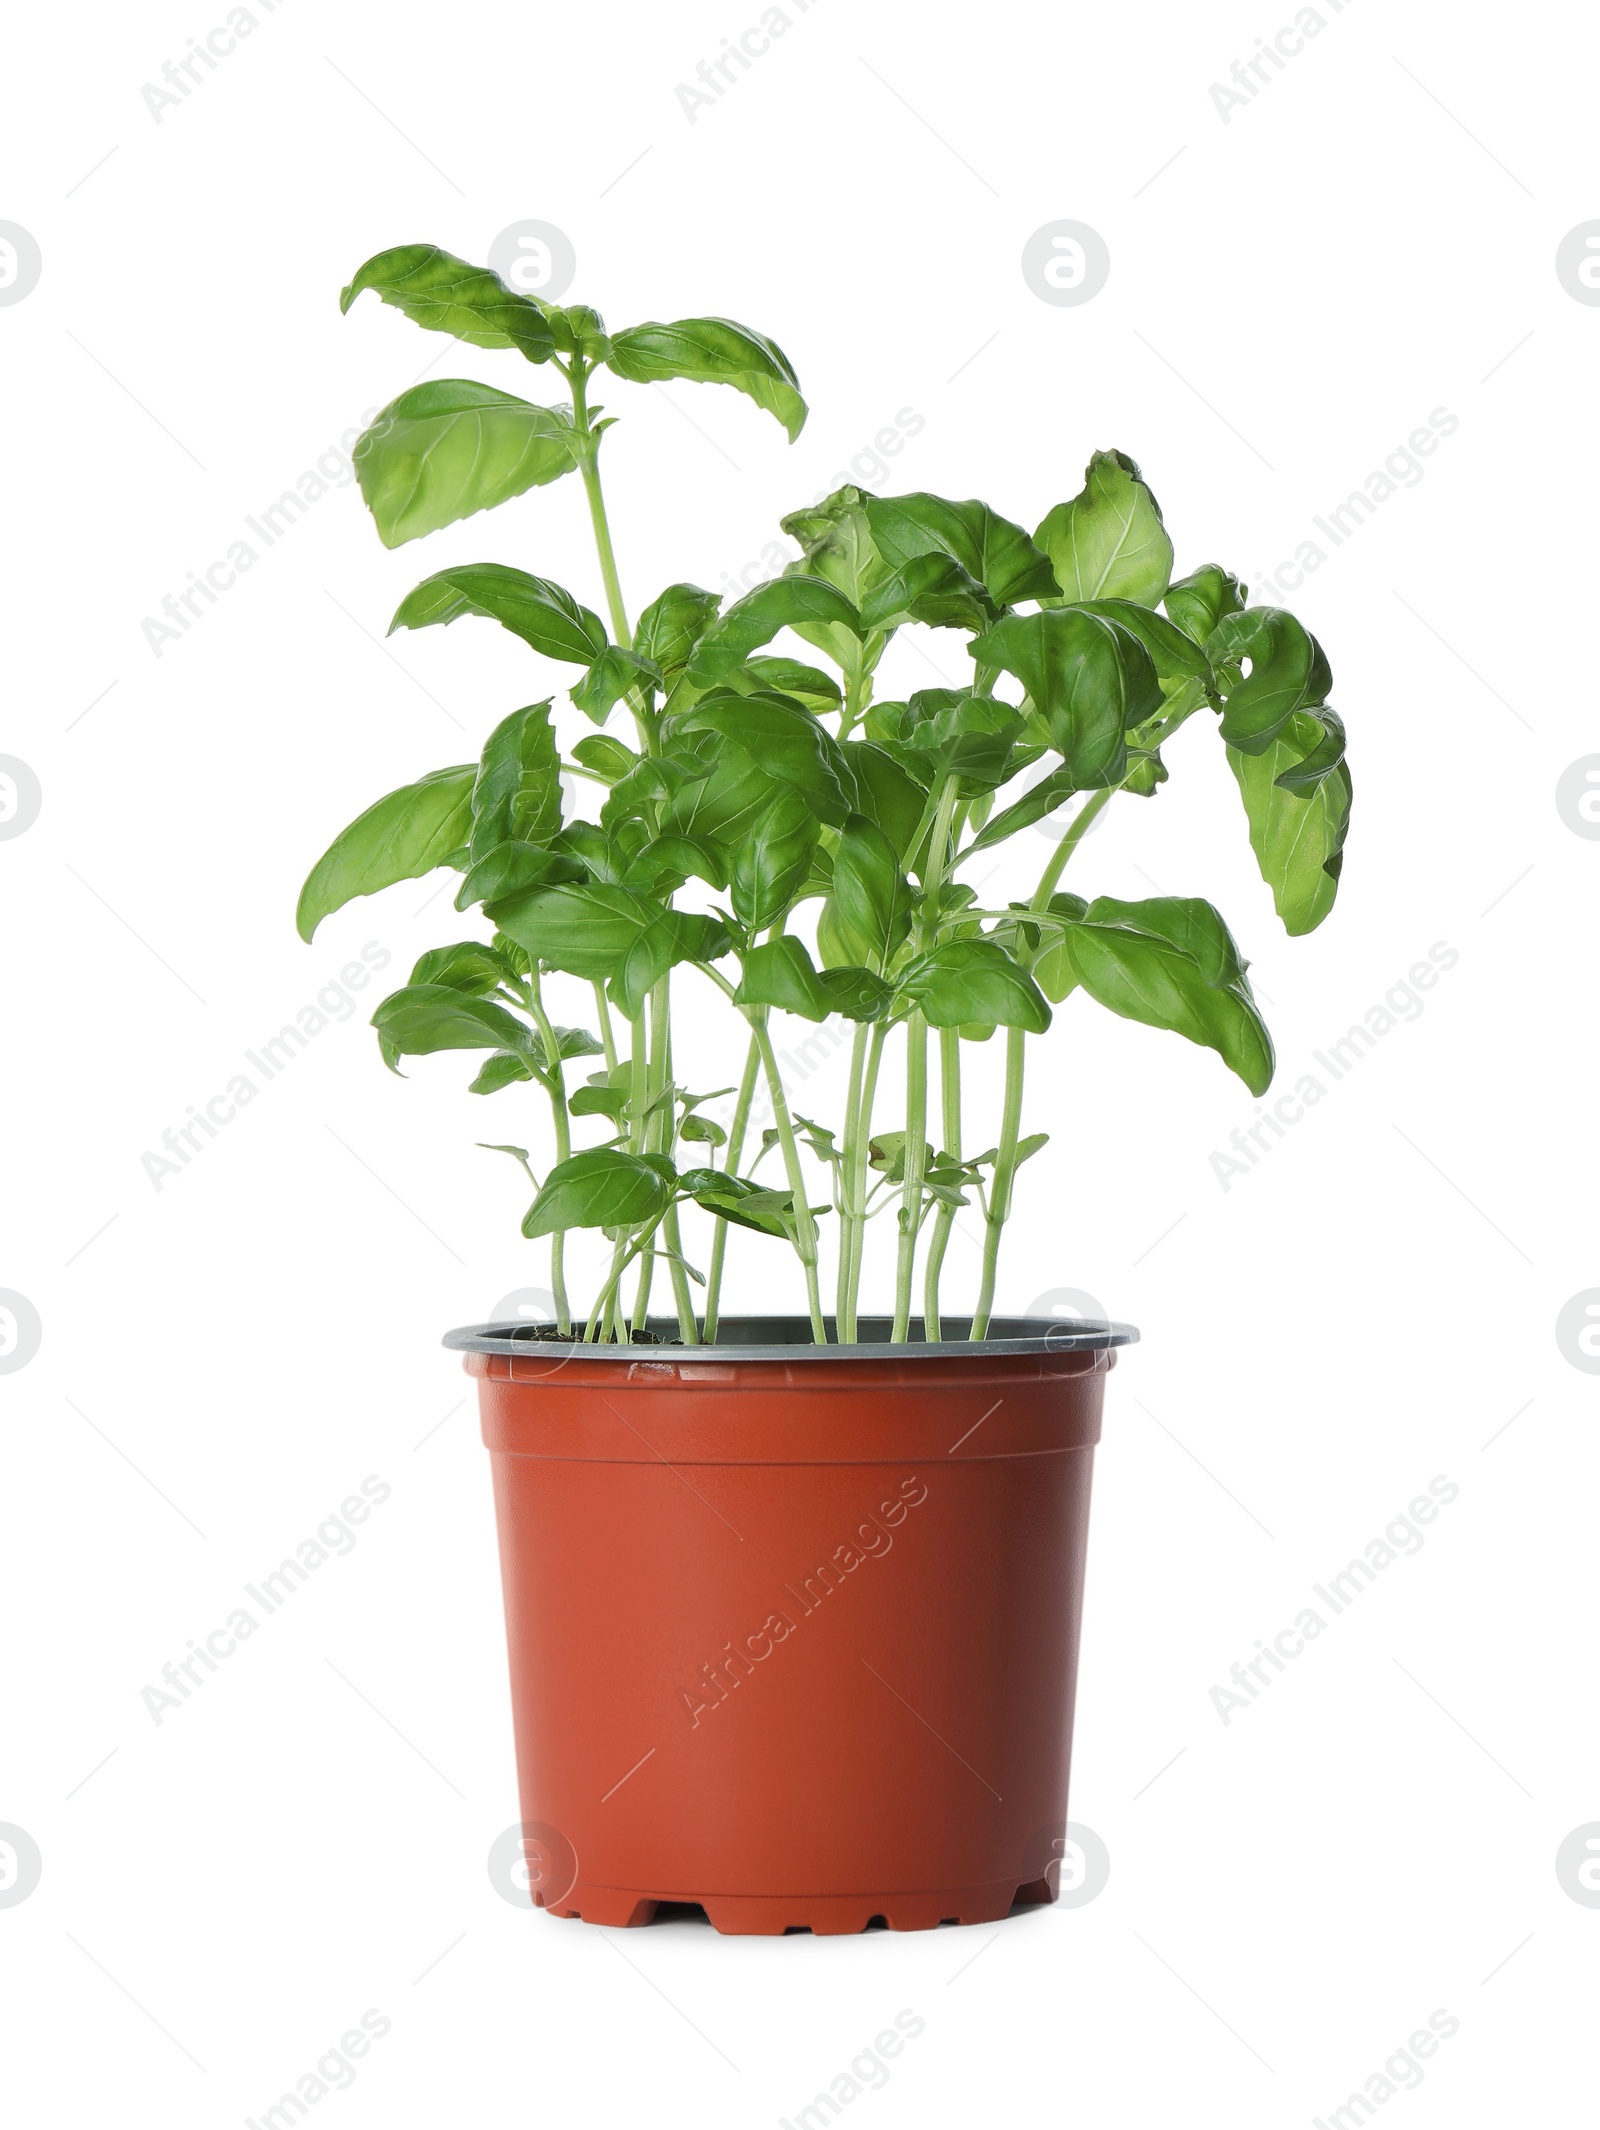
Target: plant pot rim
(788, 1339)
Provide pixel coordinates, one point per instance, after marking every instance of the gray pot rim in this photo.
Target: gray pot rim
(788, 1339)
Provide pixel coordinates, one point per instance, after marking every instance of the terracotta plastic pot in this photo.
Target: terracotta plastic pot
(793, 1629)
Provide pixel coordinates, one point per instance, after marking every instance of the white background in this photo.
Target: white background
(1371, 237)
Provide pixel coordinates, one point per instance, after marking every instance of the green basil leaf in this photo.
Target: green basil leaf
(1297, 800)
(783, 602)
(713, 351)
(469, 966)
(583, 931)
(517, 796)
(601, 1096)
(613, 675)
(1109, 541)
(1089, 679)
(423, 1018)
(545, 616)
(500, 1071)
(446, 295)
(1049, 793)
(870, 893)
(445, 450)
(989, 548)
(933, 589)
(966, 980)
(1288, 672)
(785, 743)
(838, 543)
(1173, 654)
(771, 864)
(666, 862)
(702, 1131)
(963, 735)
(514, 869)
(745, 1204)
(1171, 963)
(603, 1188)
(888, 795)
(605, 757)
(406, 834)
(780, 973)
(671, 626)
(856, 993)
(807, 685)
(1199, 601)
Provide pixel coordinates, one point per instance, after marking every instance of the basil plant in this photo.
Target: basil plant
(764, 826)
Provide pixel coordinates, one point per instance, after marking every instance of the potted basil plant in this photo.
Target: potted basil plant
(793, 1601)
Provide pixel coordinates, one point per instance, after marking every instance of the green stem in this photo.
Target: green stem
(1005, 1169)
(589, 467)
(916, 1146)
(558, 1106)
(805, 1226)
(734, 1155)
(1068, 844)
(607, 1033)
(1005, 1166)
(858, 1168)
(664, 1129)
(950, 1086)
(844, 1314)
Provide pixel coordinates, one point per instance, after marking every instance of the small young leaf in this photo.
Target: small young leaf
(517, 796)
(545, 616)
(468, 966)
(713, 351)
(1109, 541)
(671, 626)
(1198, 602)
(989, 548)
(499, 1071)
(614, 673)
